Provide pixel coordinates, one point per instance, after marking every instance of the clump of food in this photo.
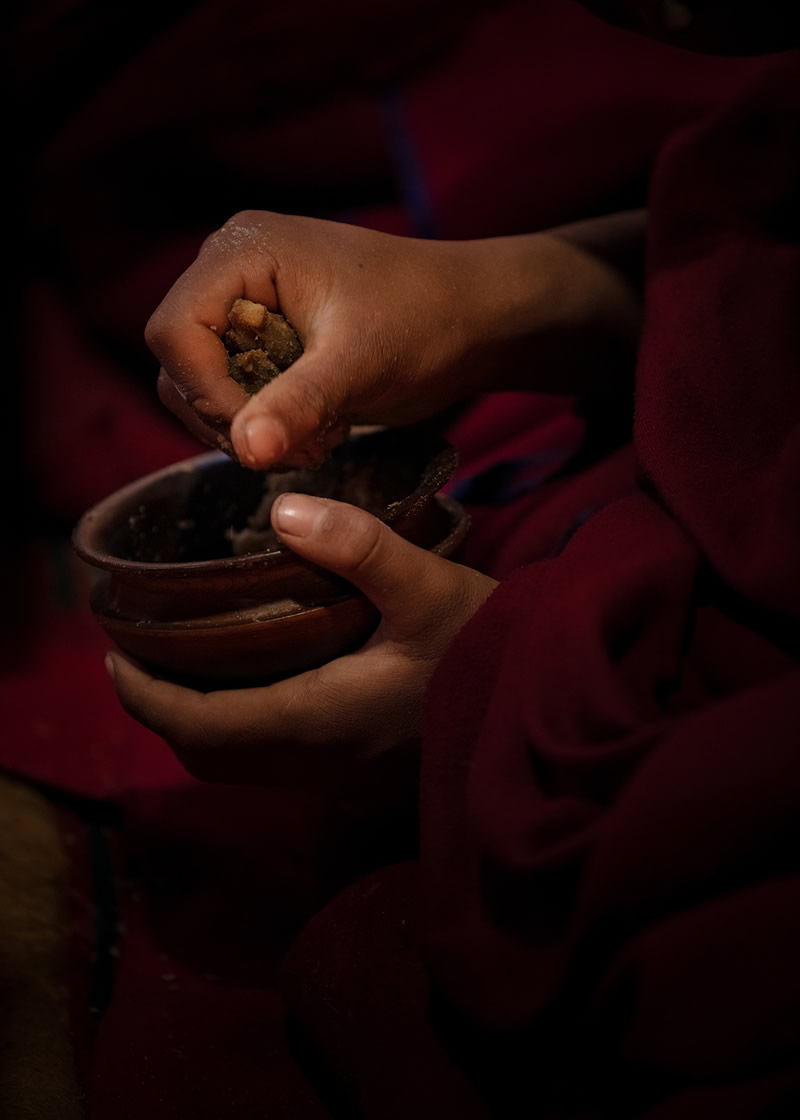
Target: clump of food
(260, 344)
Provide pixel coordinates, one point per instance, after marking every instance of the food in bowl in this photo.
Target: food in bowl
(175, 590)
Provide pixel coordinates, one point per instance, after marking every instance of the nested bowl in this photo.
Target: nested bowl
(171, 593)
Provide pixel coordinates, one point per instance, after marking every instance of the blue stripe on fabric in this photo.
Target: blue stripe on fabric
(511, 478)
(407, 165)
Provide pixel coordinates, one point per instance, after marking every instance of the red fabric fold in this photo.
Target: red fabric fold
(717, 431)
(610, 763)
(611, 784)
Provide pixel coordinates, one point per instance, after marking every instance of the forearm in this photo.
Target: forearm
(560, 311)
(617, 239)
(394, 329)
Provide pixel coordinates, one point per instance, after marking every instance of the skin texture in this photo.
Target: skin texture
(394, 330)
(318, 729)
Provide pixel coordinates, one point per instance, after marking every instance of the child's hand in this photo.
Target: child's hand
(320, 728)
(394, 329)
(383, 321)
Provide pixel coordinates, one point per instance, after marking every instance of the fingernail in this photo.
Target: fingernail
(109, 662)
(296, 515)
(262, 443)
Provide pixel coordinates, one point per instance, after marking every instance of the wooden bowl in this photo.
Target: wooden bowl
(171, 593)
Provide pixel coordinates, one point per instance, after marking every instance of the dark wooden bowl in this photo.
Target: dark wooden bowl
(171, 594)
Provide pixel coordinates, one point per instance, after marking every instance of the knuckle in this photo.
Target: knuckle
(196, 747)
(192, 393)
(305, 397)
(156, 330)
(207, 412)
(240, 232)
(314, 398)
(246, 217)
(366, 542)
(298, 702)
(166, 388)
(311, 695)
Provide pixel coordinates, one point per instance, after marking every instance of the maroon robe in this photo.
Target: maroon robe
(606, 919)
(611, 785)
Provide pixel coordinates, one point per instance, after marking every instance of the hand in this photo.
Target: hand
(380, 317)
(394, 329)
(319, 729)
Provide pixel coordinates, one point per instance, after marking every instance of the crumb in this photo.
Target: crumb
(252, 369)
(357, 485)
(260, 344)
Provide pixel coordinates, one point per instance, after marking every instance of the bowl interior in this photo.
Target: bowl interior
(184, 514)
(235, 648)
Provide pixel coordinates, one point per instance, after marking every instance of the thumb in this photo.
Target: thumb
(293, 420)
(410, 586)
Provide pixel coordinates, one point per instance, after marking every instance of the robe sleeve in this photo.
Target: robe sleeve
(611, 773)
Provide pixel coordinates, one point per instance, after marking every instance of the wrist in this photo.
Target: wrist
(542, 312)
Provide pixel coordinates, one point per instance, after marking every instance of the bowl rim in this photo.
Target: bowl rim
(242, 617)
(439, 469)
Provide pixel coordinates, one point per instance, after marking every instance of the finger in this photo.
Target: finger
(227, 736)
(169, 396)
(230, 264)
(414, 589)
(185, 331)
(272, 735)
(296, 419)
(193, 355)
